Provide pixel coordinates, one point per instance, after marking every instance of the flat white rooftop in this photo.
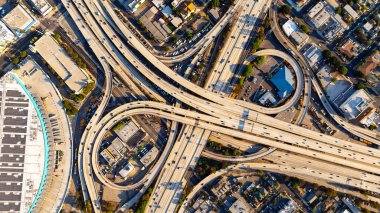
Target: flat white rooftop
(356, 104)
(42, 6)
(6, 36)
(60, 61)
(19, 20)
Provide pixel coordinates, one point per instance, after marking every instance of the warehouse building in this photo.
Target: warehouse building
(75, 78)
(283, 80)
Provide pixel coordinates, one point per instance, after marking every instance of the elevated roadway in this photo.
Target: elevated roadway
(340, 156)
(288, 170)
(229, 58)
(203, 105)
(366, 134)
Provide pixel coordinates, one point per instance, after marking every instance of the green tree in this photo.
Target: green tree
(359, 86)
(23, 54)
(57, 37)
(327, 54)
(16, 60)
(304, 28)
(286, 9)
(343, 70)
(259, 60)
(372, 127)
(215, 3)
(248, 71)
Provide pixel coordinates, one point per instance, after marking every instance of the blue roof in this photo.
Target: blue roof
(283, 80)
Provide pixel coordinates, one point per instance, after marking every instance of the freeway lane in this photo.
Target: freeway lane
(366, 134)
(230, 128)
(228, 60)
(291, 171)
(170, 73)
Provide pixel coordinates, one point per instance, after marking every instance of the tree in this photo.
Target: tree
(215, 3)
(286, 9)
(359, 86)
(248, 71)
(372, 127)
(327, 54)
(304, 28)
(343, 70)
(334, 79)
(23, 54)
(57, 37)
(15, 61)
(339, 10)
(259, 60)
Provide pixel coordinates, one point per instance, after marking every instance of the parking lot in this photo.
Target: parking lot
(256, 85)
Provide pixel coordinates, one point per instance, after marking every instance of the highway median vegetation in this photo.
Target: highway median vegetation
(208, 166)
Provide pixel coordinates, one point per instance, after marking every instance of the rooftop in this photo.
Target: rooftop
(149, 157)
(239, 206)
(6, 36)
(313, 55)
(22, 147)
(124, 172)
(19, 20)
(289, 27)
(60, 61)
(315, 10)
(351, 11)
(283, 80)
(42, 6)
(127, 131)
(356, 104)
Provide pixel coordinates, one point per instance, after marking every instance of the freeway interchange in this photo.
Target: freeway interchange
(215, 112)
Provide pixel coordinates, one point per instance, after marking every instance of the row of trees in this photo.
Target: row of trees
(78, 60)
(16, 60)
(334, 62)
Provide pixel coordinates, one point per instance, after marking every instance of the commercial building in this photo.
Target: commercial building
(289, 27)
(22, 147)
(351, 11)
(55, 125)
(239, 206)
(321, 18)
(316, 9)
(6, 36)
(350, 48)
(299, 38)
(159, 30)
(114, 152)
(284, 81)
(127, 131)
(356, 104)
(42, 6)
(75, 78)
(268, 96)
(313, 55)
(149, 157)
(19, 20)
(131, 5)
(294, 33)
(126, 170)
(329, 24)
(371, 117)
(370, 64)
